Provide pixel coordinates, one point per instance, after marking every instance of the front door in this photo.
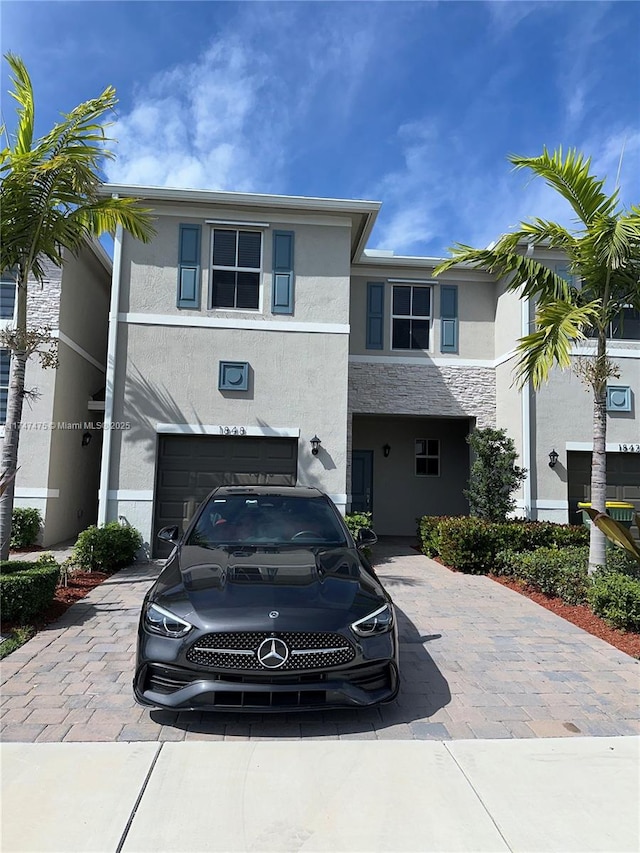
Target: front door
(362, 481)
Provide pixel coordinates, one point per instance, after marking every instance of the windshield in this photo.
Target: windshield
(267, 520)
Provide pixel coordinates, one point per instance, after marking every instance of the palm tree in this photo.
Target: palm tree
(50, 206)
(603, 253)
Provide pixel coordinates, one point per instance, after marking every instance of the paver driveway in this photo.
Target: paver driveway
(478, 661)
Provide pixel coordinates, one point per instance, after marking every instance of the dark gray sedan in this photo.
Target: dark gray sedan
(266, 603)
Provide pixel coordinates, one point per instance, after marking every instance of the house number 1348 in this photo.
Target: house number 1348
(233, 430)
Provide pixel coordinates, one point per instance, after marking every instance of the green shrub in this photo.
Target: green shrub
(357, 521)
(558, 572)
(18, 637)
(106, 549)
(27, 592)
(494, 475)
(474, 545)
(429, 533)
(25, 526)
(616, 597)
(468, 544)
(619, 560)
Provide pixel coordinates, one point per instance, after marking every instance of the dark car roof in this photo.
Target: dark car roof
(278, 491)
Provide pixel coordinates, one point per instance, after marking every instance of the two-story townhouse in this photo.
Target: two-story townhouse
(255, 330)
(229, 347)
(61, 437)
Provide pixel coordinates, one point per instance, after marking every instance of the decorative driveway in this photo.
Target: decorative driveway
(478, 661)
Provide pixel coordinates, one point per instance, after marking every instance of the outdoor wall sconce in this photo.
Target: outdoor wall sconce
(553, 458)
(315, 445)
(386, 449)
(86, 438)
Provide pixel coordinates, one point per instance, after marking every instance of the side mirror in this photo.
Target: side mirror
(170, 534)
(366, 537)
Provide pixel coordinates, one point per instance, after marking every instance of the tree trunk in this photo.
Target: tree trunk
(597, 542)
(15, 400)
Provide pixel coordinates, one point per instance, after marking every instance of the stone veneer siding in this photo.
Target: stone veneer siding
(43, 301)
(410, 389)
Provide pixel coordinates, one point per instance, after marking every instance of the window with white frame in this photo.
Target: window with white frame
(410, 317)
(7, 298)
(427, 457)
(5, 364)
(625, 326)
(236, 268)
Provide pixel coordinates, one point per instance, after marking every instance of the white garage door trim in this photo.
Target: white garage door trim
(587, 446)
(219, 429)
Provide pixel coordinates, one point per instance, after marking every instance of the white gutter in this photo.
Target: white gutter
(112, 342)
(526, 409)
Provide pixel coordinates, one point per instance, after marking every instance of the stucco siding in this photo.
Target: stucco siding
(297, 381)
(321, 270)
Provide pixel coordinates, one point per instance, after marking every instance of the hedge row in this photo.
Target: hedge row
(472, 545)
(551, 558)
(27, 588)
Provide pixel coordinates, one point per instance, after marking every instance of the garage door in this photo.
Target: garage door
(190, 466)
(623, 480)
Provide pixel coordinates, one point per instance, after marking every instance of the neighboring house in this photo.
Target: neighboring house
(253, 324)
(59, 450)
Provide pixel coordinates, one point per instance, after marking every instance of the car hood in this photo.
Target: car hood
(238, 588)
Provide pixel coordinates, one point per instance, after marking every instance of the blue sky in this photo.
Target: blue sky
(415, 104)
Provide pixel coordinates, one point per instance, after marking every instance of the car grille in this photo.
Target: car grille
(307, 650)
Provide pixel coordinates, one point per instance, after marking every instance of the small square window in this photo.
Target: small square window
(427, 457)
(233, 376)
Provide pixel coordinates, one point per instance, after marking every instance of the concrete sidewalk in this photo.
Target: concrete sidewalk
(574, 794)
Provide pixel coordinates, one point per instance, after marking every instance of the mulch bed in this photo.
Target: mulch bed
(580, 615)
(79, 585)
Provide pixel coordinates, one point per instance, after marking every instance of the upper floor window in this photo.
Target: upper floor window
(5, 363)
(624, 327)
(236, 269)
(411, 317)
(7, 298)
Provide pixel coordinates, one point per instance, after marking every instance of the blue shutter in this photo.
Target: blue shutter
(375, 315)
(449, 318)
(189, 267)
(282, 286)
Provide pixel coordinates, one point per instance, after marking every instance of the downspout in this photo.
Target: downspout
(112, 343)
(526, 408)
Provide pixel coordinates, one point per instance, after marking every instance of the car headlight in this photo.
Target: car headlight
(378, 622)
(161, 621)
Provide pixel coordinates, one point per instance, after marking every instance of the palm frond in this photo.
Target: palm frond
(570, 176)
(559, 324)
(23, 94)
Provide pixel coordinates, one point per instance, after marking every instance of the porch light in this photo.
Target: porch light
(315, 445)
(386, 449)
(553, 458)
(86, 438)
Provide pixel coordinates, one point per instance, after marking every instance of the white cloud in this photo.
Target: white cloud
(232, 119)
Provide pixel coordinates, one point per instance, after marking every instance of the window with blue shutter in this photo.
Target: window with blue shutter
(282, 289)
(189, 267)
(449, 318)
(5, 366)
(375, 315)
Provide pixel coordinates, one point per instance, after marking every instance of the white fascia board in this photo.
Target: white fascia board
(430, 361)
(25, 493)
(98, 250)
(344, 205)
(65, 339)
(214, 429)
(187, 321)
(588, 348)
(130, 494)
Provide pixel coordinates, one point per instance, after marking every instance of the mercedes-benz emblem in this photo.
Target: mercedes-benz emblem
(274, 614)
(273, 653)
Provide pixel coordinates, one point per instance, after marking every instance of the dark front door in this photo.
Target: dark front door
(362, 481)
